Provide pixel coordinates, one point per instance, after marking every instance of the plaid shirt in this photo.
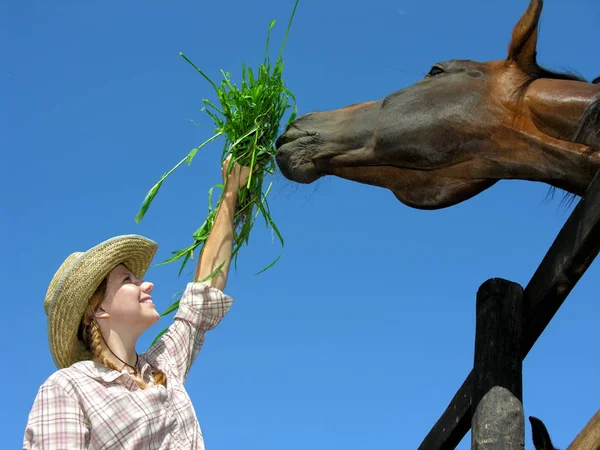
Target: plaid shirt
(88, 405)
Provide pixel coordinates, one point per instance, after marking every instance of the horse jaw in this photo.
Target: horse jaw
(417, 189)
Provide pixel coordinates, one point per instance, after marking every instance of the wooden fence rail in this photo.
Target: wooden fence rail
(574, 249)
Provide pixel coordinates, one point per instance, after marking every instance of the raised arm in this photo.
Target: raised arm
(218, 247)
(203, 305)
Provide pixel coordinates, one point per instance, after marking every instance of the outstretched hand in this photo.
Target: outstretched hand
(238, 175)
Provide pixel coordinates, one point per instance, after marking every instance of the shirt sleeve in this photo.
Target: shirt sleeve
(56, 420)
(201, 308)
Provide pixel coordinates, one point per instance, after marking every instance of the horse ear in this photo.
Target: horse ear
(522, 48)
(540, 435)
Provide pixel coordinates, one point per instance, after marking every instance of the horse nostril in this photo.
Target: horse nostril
(291, 134)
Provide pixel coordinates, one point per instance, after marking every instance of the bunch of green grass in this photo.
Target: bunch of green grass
(248, 117)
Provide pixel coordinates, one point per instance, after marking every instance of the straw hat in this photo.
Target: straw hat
(75, 282)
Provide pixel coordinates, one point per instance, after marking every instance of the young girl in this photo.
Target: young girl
(104, 394)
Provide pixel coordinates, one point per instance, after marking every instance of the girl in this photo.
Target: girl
(104, 394)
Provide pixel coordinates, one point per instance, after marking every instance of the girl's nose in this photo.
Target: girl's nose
(147, 287)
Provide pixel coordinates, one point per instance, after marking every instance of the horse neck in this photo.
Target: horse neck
(565, 119)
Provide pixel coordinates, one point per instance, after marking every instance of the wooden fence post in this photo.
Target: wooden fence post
(498, 421)
(574, 249)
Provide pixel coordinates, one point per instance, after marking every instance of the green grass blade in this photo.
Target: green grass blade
(170, 309)
(212, 274)
(201, 72)
(152, 193)
(271, 25)
(269, 266)
(287, 31)
(147, 200)
(184, 262)
(158, 336)
(190, 156)
(176, 255)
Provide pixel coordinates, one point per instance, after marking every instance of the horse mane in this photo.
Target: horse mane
(589, 125)
(540, 72)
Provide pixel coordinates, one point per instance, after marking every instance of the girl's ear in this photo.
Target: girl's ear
(101, 314)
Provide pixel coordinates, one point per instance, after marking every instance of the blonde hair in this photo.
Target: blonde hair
(94, 342)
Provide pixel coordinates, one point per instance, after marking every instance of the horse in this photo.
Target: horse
(458, 131)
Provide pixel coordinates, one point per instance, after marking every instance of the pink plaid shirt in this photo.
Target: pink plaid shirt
(91, 406)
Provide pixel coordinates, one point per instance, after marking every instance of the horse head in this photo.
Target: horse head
(459, 130)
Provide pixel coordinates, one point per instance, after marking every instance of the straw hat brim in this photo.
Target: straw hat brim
(76, 281)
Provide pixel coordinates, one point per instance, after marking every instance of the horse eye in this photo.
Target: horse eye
(435, 70)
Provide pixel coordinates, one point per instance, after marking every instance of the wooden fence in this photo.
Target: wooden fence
(509, 321)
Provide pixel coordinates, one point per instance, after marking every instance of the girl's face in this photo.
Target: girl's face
(127, 302)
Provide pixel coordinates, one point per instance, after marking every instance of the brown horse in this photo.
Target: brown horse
(458, 131)
(455, 133)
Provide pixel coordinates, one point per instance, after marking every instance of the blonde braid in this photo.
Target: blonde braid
(93, 340)
(159, 377)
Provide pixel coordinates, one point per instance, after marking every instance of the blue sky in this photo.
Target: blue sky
(361, 334)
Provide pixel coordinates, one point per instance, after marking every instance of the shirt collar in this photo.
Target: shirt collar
(98, 371)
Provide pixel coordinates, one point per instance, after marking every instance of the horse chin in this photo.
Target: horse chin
(444, 195)
(425, 203)
(426, 190)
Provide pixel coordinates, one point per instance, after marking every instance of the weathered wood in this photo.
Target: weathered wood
(589, 437)
(454, 423)
(498, 422)
(573, 250)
